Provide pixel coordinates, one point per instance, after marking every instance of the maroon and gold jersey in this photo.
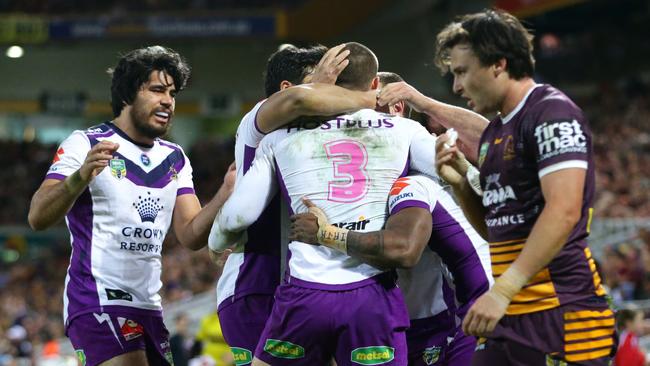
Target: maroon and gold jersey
(545, 133)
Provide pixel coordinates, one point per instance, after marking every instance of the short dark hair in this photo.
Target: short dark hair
(492, 35)
(292, 64)
(134, 68)
(623, 316)
(361, 69)
(387, 77)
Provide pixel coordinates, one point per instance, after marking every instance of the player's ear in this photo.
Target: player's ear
(285, 84)
(375, 83)
(399, 108)
(499, 67)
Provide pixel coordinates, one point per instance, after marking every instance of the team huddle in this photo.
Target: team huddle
(352, 235)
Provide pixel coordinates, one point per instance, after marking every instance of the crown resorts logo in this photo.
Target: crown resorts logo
(147, 207)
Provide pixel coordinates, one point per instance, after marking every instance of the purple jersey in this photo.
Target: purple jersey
(545, 133)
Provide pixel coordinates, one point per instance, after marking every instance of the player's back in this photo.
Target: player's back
(346, 166)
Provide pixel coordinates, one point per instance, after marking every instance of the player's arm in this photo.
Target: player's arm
(470, 125)
(399, 245)
(563, 192)
(55, 197)
(253, 193)
(191, 222)
(452, 167)
(310, 100)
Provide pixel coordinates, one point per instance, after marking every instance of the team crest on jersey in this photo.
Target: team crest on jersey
(482, 153)
(118, 168)
(509, 149)
(129, 328)
(145, 160)
(431, 355)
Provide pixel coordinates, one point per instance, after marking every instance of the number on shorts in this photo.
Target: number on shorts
(349, 159)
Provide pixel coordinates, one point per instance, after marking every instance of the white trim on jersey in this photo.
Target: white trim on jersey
(581, 164)
(507, 118)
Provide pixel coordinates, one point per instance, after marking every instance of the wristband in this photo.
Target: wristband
(509, 283)
(474, 179)
(333, 237)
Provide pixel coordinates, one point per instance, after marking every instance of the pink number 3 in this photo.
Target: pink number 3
(349, 159)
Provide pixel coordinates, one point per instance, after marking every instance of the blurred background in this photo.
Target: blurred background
(53, 60)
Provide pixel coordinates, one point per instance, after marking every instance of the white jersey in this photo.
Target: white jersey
(118, 224)
(346, 166)
(256, 269)
(455, 267)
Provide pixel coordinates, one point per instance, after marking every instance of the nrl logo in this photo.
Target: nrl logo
(431, 355)
(118, 168)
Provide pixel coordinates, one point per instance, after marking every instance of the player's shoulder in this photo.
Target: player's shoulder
(249, 119)
(547, 101)
(420, 182)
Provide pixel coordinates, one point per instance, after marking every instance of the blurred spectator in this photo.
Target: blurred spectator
(213, 343)
(181, 342)
(629, 324)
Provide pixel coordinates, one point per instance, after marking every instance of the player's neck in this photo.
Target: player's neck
(515, 93)
(124, 123)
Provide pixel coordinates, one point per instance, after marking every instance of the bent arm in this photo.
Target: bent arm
(310, 100)
(53, 200)
(253, 193)
(470, 125)
(399, 245)
(563, 191)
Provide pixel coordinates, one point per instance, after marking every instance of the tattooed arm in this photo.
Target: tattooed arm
(399, 245)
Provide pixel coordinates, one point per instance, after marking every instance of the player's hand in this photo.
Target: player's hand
(304, 228)
(484, 315)
(219, 259)
(97, 159)
(393, 93)
(331, 65)
(228, 185)
(450, 162)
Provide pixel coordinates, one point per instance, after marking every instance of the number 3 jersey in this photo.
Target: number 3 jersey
(346, 166)
(118, 224)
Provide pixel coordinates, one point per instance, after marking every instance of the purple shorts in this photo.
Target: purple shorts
(98, 337)
(361, 326)
(438, 341)
(580, 333)
(242, 322)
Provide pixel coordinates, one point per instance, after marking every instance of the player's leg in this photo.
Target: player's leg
(242, 323)
(371, 325)
(298, 331)
(98, 338)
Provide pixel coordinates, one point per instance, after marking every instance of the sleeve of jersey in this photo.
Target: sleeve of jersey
(250, 131)
(560, 137)
(185, 182)
(422, 154)
(408, 192)
(252, 194)
(69, 156)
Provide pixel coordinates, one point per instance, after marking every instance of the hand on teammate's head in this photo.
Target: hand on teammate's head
(331, 65)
